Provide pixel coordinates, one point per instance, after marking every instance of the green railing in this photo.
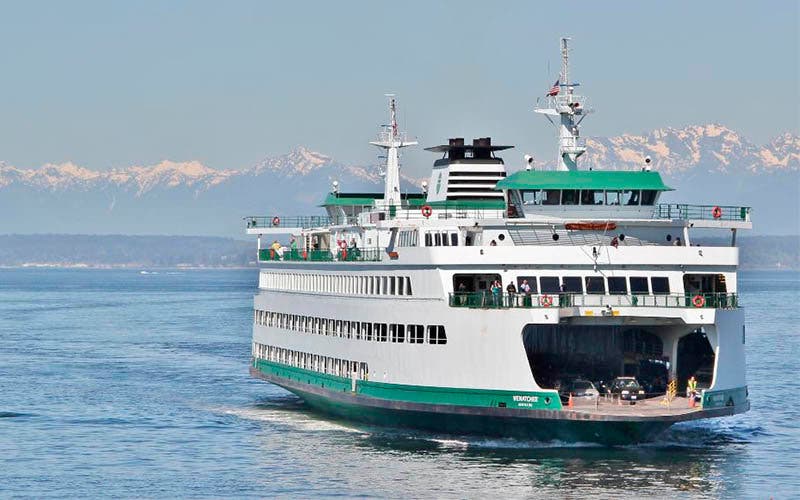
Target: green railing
(268, 254)
(342, 255)
(279, 221)
(360, 254)
(702, 212)
(488, 300)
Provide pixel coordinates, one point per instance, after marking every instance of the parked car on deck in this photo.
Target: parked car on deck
(579, 388)
(627, 389)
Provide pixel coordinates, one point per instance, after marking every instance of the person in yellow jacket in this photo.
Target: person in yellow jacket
(691, 387)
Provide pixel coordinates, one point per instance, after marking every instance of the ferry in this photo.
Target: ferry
(544, 304)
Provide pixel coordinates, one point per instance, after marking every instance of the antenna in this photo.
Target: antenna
(390, 139)
(569, 109)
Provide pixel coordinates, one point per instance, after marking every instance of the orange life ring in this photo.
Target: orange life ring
(716, 212)
(276, 221)
(426, 210)
(546, 301)
(698, 301)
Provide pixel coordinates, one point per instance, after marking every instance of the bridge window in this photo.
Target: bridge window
(551, 197)
(630, 197)
(531, 197)
(569, 197)
(649, 197)
(617, 285)
(612, 197)
(531, 283)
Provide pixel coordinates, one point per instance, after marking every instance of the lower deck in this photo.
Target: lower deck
(606, 422)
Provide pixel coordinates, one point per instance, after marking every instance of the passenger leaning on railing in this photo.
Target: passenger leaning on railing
(512, 294)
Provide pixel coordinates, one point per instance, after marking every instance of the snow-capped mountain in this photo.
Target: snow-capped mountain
(708, 164)
(710, 147)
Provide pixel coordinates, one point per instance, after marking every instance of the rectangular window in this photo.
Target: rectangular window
(380, 332)
(549, 284)
(392, 285)
(595, 285)
(612, 197)
(436, 334)
(630, 198)
(531, 197)
(529, 282)
(367, 329)
(639, 285)
(569, 197)
(660, 286)
(445, 240)
(428, 240)
(588, 196)
(437, 239)
(572, 284)
(649, 197)
(551, 197)
(408, 286)
(617, 285)
(416, 334)
(401, 332)
(454, 239)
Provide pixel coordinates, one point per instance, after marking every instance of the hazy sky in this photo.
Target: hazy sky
(111, 83)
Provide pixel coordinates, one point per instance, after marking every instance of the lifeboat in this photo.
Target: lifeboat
(591, 226)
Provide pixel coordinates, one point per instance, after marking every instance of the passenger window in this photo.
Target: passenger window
(599, 197)
(437, 239)
(595, 284)
(660, 286)
(454, 239)
(617, 285)
(569, 197)
(649, 197)
(436, 334)
(612, 197)
(428, 240)
(572, 284)
(551, 197)
(549, 284)
(639, 286)
(529, 281)
(445, 240)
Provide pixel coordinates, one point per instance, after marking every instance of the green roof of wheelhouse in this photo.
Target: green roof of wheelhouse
(610, 180)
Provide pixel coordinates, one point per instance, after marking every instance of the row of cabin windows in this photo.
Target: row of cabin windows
(334, 284)
(613, 285)
(359, 330)
(407, 238)
(441, 239)
(313, 362)
(594, 197)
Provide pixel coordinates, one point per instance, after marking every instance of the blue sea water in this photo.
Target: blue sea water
(129, 384)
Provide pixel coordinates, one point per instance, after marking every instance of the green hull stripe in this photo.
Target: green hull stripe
(486, 398)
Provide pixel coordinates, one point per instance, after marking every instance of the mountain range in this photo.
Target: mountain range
(707, 164)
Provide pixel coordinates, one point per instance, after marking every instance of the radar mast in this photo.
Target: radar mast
(562, 102)
(392, 140)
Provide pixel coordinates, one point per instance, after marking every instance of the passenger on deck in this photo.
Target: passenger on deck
(511, 289)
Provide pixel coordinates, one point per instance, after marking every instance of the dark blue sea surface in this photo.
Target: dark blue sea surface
(132, 384)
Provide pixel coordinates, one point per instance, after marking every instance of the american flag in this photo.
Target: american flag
(554, 89)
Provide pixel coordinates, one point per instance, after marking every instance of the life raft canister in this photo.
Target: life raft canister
(716, 212)
(276, 221)
(698, 301)
(426, 210)
(546, 301)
